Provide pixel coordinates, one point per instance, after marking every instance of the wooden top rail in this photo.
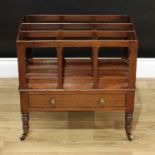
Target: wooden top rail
(76, 34)
(76, 18)
(53, 30)
(76, 26)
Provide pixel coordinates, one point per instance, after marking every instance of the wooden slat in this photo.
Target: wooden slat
(78, 73)
(79, 86)
(82, 80)
(74, 43)
(76, 33)
(59, 56)
(106, 109)
(77, 18)
(54, 26)
(95, 51)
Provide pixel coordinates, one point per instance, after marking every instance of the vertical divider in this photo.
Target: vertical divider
(60, 67)
(132, 64)
(95, 67)
(22, 65)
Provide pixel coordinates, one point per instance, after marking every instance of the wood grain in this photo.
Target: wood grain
(116, 76)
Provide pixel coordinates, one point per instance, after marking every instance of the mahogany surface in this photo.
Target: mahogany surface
(94, 83)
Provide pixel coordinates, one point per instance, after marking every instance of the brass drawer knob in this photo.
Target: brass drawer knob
(101, 101)
(52, 101)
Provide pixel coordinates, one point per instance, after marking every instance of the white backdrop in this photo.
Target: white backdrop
(145, 67)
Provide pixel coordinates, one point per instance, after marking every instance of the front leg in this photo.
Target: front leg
(25, 121)
(128, 125)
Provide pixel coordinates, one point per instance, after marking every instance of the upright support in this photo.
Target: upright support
(60, 72)
(133, 63)
(130, 96)
(21, 53)
(132, 79)
(95, 66)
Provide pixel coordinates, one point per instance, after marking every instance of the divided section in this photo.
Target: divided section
(78, 74)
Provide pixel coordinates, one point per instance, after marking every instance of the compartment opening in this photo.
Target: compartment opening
(113, 52)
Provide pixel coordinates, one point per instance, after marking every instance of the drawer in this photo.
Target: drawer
(76, 100)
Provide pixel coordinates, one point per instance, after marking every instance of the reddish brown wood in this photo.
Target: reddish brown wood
(22, 66)
(59, 65)
(95, 67)
(94, 34)
(77, 101)
(77, 84)
(132, 66)
(24, 100)
(105, 109)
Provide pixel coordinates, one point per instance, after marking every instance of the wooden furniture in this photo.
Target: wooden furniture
(95, 83)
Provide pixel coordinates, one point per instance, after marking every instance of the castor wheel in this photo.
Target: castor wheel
(130, 137)
(25, 120)
(128, 125)
(23, 137)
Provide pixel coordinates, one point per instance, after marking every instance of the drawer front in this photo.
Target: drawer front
(76, 100)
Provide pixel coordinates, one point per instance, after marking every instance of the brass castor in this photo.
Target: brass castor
(130, 137)
(128, 125)
(25, 120)
(23, 137)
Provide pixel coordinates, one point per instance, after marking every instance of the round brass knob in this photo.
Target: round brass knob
(101, 101)
(52, 101)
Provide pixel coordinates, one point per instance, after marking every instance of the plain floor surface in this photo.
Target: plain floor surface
(77, 133)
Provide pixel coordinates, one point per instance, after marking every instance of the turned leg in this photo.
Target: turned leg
(25, 120)
(128, 125)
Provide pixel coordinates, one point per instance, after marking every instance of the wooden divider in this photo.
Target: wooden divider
(94, 31)
(60, 67)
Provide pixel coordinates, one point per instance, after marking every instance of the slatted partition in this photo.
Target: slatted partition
(60, 31)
